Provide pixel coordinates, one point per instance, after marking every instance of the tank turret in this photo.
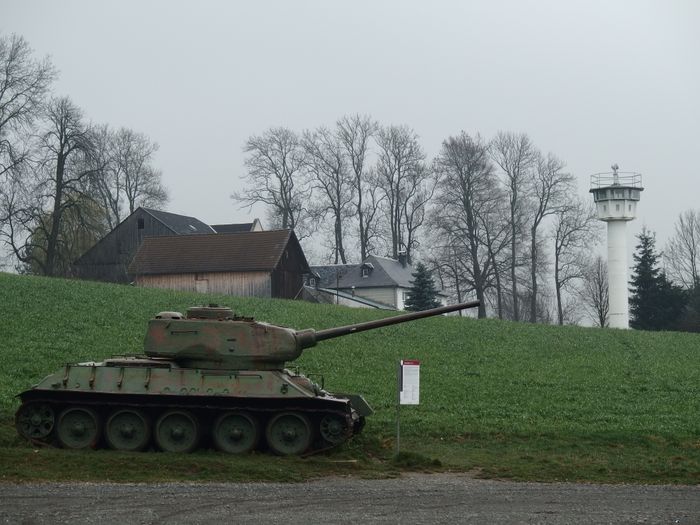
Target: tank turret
(213, 337)
(209, 376)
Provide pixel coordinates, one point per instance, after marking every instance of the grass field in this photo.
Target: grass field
(499, 399)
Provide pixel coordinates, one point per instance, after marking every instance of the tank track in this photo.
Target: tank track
(204, 410)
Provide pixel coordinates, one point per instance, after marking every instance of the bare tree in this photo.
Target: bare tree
(355, 133)
(515, 155)
(594, 291)
(682, 254)
(24, 83)
(550, 186)
(466, 189)
(108, 184)
(574, 231)
(275, 163)
(127, 178)
(448, 267)
(133, 153)
(57, 183)
(406, 184)
(330, 176)
(497, 230)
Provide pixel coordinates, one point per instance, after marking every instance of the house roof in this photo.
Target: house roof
(221, 252)
(233, 228)
(254, 226)
(385, 272)
(180, 224)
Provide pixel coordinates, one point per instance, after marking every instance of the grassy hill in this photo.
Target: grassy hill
(499, 399)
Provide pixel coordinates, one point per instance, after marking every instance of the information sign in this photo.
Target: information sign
(409, 382)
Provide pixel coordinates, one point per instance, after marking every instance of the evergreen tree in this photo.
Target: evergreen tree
(423, 294)
(655, 303)
(690, 320)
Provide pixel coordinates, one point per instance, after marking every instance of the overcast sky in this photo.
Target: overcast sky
(595, 82)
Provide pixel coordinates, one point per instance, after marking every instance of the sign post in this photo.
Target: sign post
(408, 391)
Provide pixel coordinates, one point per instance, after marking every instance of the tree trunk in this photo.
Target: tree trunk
(516, 314)
(557, 287)
(533, 275)
(363, 236)
(339, 249)
(52, 240)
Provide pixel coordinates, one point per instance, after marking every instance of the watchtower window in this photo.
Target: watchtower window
(140, 223)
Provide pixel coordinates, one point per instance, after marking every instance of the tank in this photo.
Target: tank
(207, 378)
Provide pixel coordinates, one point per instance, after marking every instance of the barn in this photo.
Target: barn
(109, 259)
(259, 264)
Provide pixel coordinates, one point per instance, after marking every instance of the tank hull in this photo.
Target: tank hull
(146, 391)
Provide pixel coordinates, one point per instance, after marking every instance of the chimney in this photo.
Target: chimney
(402, 258)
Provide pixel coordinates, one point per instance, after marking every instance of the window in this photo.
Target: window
(140, 223)
(312, 281)
(365, 272)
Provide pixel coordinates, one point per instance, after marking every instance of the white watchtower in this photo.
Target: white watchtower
(616, 195)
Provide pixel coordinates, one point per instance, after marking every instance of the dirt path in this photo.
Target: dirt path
(411, 499)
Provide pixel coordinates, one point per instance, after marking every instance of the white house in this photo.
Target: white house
(377, 282)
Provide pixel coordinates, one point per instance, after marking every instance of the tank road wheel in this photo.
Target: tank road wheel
(333, 429)
(78, 427)
(35, 420)
(289, 433)
(177, 431)
(235, 433)
(128, 429)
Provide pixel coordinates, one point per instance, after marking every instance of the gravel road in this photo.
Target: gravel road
(416, 498)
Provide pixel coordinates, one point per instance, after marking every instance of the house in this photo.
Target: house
(260, 263)
(110, 257)
(377, 282)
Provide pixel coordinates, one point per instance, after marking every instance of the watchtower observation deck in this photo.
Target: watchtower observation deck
(616, 195)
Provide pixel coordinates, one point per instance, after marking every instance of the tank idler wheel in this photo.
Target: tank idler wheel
(177, 431)
(78, 427)
(333, 429)
(128, 429)
(289, 433)
(35, 420)
(235, 432)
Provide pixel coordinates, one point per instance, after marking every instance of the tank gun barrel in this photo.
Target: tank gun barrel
(330, 333)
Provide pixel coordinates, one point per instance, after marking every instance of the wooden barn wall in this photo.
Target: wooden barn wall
(240, 284)
(109, 259)
(288, 277)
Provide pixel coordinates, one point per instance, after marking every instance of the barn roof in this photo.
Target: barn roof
(180, 224)
(222, 252)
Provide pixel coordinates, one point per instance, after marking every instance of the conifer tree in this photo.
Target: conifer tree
(690, 320)
(423, 294)
(655, 302)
